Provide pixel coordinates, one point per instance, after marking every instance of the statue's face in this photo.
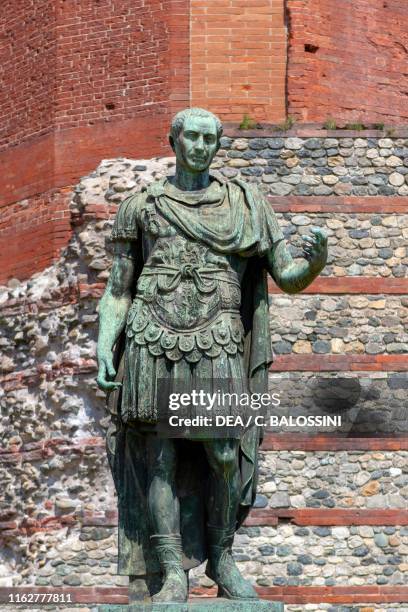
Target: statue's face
(197, 143)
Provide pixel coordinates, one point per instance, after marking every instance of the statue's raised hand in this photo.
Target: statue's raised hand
(315, 250)
(106, 371)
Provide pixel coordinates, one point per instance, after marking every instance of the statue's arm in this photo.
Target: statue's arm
(113, 309)
(293, 277)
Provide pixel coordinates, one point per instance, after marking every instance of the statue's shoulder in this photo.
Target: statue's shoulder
(248, 190)
(129, 206)
(234, 185)
(155, 189)
(125, 226)
(146, 191)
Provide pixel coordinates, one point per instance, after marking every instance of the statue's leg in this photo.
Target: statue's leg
(224, 481)
(164, 516)
(222, 506)
(163, 504)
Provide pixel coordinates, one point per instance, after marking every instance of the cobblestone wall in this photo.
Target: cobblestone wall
(360, 244)
(289, 555)
(319, 166)
(283, 556)
(327, 479)
(339, 324)
(368, 404)
(69, 484)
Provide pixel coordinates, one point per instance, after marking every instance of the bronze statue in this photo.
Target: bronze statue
(187, 300)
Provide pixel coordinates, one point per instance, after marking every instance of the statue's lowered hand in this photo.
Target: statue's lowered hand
(315, 249)
(106, 372)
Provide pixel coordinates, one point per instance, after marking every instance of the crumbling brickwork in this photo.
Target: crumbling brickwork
(33, 233)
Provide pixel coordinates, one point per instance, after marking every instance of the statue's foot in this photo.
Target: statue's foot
(174, 589)
(169, 554)
(231, 583)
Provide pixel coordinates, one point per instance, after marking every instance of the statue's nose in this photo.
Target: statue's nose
(199, 144)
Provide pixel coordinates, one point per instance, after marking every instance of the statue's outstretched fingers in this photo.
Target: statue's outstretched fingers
(319, 234)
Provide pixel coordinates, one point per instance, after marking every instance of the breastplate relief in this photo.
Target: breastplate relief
(187, 302)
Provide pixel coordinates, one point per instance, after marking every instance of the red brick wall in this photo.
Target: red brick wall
(348, 60)
(238, 58)
(32, 233)
(111, 61)
(73, 63)
(27, 69)
(82, 80)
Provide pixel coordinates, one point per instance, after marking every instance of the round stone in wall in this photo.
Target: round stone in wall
(396, 179)
(393, 161)
(294, 143)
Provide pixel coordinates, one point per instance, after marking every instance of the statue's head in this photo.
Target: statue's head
(195, 138)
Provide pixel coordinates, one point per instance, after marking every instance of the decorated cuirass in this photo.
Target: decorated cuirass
(188, 296)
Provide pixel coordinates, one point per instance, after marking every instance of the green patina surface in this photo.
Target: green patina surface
(186, 307)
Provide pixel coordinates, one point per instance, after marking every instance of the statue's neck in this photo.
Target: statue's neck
(190, 181)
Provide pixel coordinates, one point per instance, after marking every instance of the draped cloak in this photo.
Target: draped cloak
(247, 227)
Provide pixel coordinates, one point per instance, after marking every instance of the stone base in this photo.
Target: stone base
(200, 605)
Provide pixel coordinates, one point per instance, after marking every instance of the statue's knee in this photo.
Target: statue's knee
(162, 460)
(224, 460)
(162, 470)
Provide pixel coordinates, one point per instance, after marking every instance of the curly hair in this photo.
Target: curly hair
(179, 119)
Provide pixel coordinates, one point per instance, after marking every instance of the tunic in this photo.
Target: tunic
(184, 328)
(199, 314)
